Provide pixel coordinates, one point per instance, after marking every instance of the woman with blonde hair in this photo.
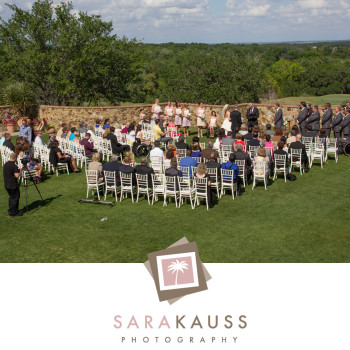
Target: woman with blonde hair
(202, 174)
(131, 156)
(107, 131)
(244, 129)
(96, 165)
(262, 163)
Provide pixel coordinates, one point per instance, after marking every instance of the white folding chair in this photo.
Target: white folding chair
(280, 166)
(186, 171)
(317, 153)
(227, 182)
(142, 187)
(295, 159)
(332, 148)
(60, 167)
(93, 183)
(126, 185)
(242, 170)
(170, 189)
(185, 190)
(253, 150)
(226, 148)
(158, 181)
(110, 184)
(260, 173)
(157, 164)
(201, 190)
(202, 145)
(197, 159)
(181, 153)
(213, 172)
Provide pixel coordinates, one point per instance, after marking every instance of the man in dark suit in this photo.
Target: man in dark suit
(345, 124)
(327, 119)
(117, 148)
(252, 115)
(314, 121)
(127, 169)
(113, 166)
(236, 119)
(255, 141)
(299, 145)
(248, 136)
(336, 123)
(7, 143)
(213, 164)
(240, 155)
(280, 151)
(302, 116)
(181, 144)
(278, 117)
(144, 169)
(209, 150)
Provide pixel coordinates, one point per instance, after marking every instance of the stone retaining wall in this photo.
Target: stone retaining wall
(56, 115)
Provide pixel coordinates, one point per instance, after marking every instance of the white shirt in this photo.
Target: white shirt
(156, 152)
(39, 141)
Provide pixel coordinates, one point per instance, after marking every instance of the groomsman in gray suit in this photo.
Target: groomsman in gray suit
(314, 121)
(336, 123)
(278, 117)
(327, 119)
(303, 114)
(345, 124)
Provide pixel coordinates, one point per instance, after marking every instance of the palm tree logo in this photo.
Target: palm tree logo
(177, 266)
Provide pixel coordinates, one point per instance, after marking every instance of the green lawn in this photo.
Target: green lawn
(335, 100)
(302, 221)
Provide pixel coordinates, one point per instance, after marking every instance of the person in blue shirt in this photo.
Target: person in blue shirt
(188, 161)
(25, 130)
(106, 124)
(196, 152)
(72, 134)
(2, 140)
(231, 165)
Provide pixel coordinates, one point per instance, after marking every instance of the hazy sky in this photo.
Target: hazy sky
(217, 21)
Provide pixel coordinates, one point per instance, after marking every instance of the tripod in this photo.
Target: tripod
(24, 167)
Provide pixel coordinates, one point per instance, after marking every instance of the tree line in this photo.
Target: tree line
(62, 58)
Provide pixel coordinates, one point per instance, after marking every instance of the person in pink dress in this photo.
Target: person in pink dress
(177, 113)
(186, 120)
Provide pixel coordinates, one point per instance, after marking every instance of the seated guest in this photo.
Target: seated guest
(125, 129)
(296, 128)
(308, 132)
(213, 164)
(292, 137)
(235, 132)
(284, 140)
(64, 133)
(156, 151)
(202, 174)
(254, 141)
(173, 170)
(60, 130)
(280, 151)
(240, 155)
(299, 145)
(77, 137)
(169, 155)
(139, 137)
(7, 143)
(322, 137)
(89, 131)
(117, 148)
(277, 136)
(2, 140)
(38, 140)
(144, 169)
(131, 134)
(262, 162)
(96, 165)
(269, 131)
(228, 141)
(249, 135)
(131, 156)
(113, 166)
(181, 143)
(195, 139)
(221, 136)
(231, 165)
(26, 153)
(72, 134)
(239, 141)
(262, 135)
(195, 150)
(57, 156)
(106, 124)
(188, 161)
(159, 135)
(268, 143)
(88, 146)
(82, 128)
(244, 130)
(205, 153)
(127, 168)
(106, 132)
(172, 147)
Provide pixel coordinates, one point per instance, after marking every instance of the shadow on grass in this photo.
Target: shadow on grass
(39, 203)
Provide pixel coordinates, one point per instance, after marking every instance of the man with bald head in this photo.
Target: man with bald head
(11, 175)
(299, 145)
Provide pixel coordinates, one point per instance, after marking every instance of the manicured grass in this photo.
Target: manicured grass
(336, 99)
(301, 221)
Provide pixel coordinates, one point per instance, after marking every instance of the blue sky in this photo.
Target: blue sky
(218, 21)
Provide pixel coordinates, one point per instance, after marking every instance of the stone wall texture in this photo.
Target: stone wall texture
(56, 115)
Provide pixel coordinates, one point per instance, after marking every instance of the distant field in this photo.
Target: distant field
(336, 99)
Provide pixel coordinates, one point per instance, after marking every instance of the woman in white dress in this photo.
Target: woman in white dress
(156, 109)
(186, 120)
(213, 123)
(169, 110)
(227, 121)
(200, 114)
(177, 112)
(142, 116)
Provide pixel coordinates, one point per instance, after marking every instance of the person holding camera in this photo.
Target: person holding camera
(11, 175)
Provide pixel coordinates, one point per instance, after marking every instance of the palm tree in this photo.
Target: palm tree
(178, 266)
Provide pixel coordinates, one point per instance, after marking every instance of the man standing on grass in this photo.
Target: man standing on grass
(345, 124)
(327, 119)
(314, 121)
(302, 116)
(25, 130)
(11, 175)
(336, 123)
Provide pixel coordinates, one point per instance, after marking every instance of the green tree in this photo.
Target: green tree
(66, 58)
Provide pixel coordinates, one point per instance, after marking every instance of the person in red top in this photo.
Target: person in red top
(88, 146)
(239, 141)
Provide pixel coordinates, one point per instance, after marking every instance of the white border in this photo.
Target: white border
(160, 258)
